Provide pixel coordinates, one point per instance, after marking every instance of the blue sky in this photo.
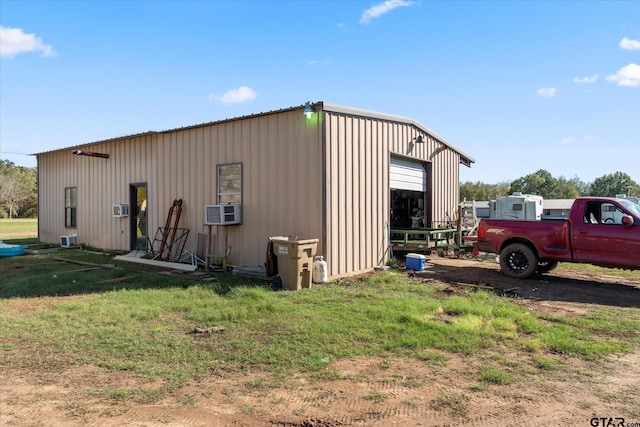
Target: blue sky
(519, 86)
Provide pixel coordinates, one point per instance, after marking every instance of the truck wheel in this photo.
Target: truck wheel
(546, 266)
(518, 260)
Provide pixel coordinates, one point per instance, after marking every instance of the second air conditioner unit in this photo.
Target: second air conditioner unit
(222, 214)
(68, 240)
(120, 211)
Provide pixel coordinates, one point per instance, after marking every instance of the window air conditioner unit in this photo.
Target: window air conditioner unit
(120, 210)
(222, 214)
(68, 241)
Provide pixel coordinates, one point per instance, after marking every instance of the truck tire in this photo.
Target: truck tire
(546, 265)
(518, 260)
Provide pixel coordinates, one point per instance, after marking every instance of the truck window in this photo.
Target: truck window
(612, 214)
(631, 207)
(608, 213)
(592, 213)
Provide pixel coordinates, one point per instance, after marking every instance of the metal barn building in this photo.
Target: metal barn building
(339, 174)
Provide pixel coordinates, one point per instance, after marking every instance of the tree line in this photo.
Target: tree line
(18, 191)
(542, 183)
(19, 188)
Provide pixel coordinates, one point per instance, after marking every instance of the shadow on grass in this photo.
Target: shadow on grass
(77, 271)
(22, 241)
(554, 286)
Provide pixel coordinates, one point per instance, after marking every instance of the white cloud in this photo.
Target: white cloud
(382, 8)
(316, 62)
(236, 96)
(586, 80)
(629, 75)
(628, 44)
(571, 140)
(14, 41)
(547, 92)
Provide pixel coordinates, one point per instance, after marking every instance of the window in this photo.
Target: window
(611, 214)
(603, 213)
(70, 207)
(592, 213)
(230, 183)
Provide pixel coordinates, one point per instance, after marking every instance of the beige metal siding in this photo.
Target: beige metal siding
(358, 153)
(283, 195)
(356, 201)
(446, 187)
(100, 183)
(281, 170)
(281, 192)
(326, 177)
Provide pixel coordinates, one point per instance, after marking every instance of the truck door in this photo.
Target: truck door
(601, 238)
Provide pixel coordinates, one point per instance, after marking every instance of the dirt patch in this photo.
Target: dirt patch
(363, 393)
(434, 391)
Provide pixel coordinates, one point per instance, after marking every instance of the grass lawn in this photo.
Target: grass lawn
(131, 317)
(18, 228)
(123, 317)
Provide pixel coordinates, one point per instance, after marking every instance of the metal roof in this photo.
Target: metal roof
(335, 108)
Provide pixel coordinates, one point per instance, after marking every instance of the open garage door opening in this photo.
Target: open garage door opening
(411, 221)
(408, 184)
(407, 209)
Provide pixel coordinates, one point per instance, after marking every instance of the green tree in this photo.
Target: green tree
(615, 183)
(481, 191)
(11, 195)
(18, 190)
(565, 189)
(540, 183)
(544, 184)
(583, 188)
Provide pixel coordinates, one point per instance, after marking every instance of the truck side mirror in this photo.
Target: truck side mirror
(627, 220)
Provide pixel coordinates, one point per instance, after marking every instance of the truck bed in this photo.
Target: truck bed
(550, 237)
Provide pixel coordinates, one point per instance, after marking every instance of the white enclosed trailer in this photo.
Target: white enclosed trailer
(517, 206)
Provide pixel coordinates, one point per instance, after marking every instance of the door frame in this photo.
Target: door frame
(407, 179)
(134, 215)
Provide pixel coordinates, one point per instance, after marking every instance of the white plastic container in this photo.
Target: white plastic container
(320, 274)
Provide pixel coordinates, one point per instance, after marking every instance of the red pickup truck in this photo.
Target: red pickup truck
(599, 230)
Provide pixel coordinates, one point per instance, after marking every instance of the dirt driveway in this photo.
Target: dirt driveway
(560, 285)
(368, 392)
